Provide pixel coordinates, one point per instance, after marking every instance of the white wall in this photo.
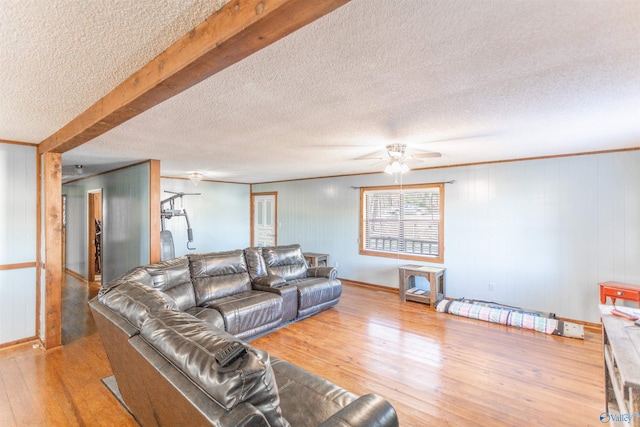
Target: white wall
(17, 242)
(125, 213)
(544, 232)
(125, 220)
(220, 216)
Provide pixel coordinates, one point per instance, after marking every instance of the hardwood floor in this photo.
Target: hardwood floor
(76, 315)
(435, 369)
(438, 369)
(61, 387)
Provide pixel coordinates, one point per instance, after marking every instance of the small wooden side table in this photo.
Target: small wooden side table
(615, 290)
(435, 276)
(315, 259)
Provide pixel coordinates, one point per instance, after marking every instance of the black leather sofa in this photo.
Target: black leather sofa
(166, 327)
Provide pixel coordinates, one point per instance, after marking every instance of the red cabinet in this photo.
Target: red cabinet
(619, 290)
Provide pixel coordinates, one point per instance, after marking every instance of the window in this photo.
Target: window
(404, 222)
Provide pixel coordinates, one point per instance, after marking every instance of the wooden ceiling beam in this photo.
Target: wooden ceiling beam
(237, 30)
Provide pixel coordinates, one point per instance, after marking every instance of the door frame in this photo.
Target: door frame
(94, 205)
(275, 215)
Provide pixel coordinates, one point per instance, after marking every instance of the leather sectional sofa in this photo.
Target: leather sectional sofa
(173, 333)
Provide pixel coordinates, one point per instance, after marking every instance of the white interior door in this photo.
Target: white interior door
(264, 220)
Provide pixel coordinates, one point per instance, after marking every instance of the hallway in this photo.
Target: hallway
(77, 321)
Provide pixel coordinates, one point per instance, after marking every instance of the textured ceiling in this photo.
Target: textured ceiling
(474, 80)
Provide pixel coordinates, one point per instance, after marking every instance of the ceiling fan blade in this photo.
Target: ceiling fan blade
(425, 155)
(458, 138)
(372, 158)
(375, 155)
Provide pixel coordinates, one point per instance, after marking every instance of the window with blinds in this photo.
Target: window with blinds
(405, 222)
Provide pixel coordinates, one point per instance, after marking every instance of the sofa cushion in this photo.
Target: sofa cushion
(135, 301)
(285, 261)
(251, 311)
(190, 344)
(255, 262)
(218, 274)
(169, 273)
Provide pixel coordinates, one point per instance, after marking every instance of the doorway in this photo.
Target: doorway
(94, 243)
(264, 219)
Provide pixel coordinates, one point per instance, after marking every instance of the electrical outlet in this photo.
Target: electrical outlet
(335, 264)
(492, 286)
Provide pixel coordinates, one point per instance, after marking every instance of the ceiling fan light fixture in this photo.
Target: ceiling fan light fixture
(195, 177)
(396, 166)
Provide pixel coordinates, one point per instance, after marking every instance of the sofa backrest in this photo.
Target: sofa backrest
(218, 274)
(137, 275)
(255, 263)
(134, 301)
(285, 261)
(191, 345)
(172, 277)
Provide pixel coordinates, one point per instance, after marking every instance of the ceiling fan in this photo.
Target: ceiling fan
(397, 157)
(72, 171)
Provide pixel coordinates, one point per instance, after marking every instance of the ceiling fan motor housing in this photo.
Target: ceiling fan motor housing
(396, 151)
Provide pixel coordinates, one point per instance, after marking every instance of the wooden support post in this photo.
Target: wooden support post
(53, 248)
(154, 211)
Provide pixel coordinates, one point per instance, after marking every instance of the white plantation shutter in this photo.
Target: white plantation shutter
(403, 221)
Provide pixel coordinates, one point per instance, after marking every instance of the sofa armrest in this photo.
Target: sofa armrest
(289, 294)
(322, 271)
(369, 410)
(270, 280)
(120, 322)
